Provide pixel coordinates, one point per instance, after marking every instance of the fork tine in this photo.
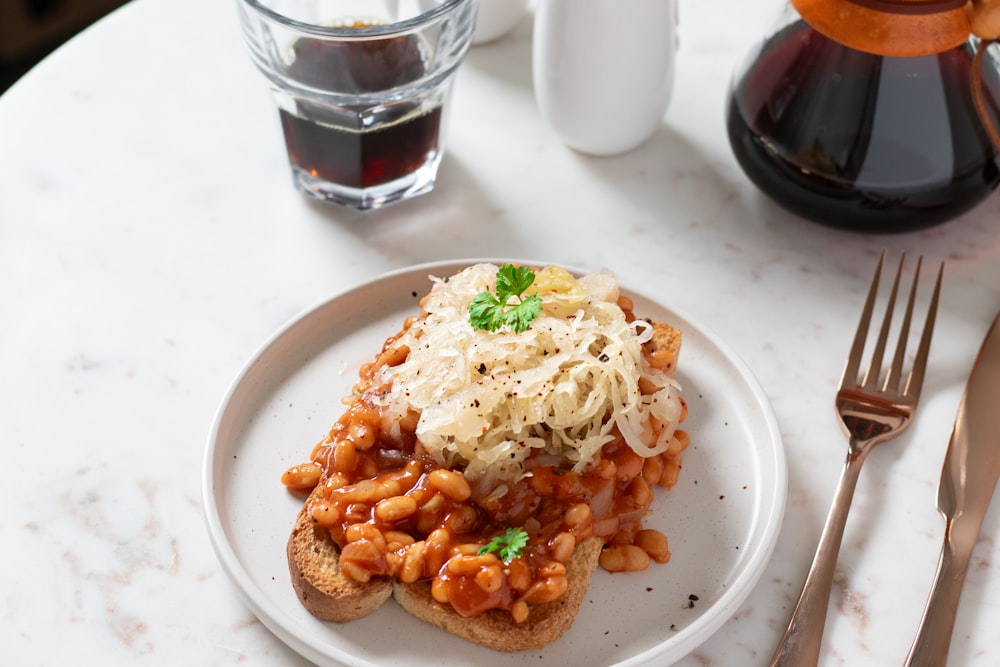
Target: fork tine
(916, 379)
(892, 378)
(853, 367)
(875, 367)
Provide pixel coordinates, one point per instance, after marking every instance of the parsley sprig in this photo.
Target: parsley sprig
(508, 545)
(489, 313)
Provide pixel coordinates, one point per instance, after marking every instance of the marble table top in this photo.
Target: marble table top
(150, 241)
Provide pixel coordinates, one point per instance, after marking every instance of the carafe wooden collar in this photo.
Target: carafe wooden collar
(902, 27)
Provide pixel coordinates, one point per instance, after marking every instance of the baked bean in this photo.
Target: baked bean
(647, 387)
(365, 531)
(671, 471)
(424, 522)
(408, 422)
(412, 568)
(624, 558)
(354, 571)
(393, 356)
(532, 526)
(519, 611)
(325, 514)
(518, 575)
(561, 547)
(362, 435)
(451, 484)
(357, 512)
(358, 531)
(468, 549)
(388, 488)
(396, 508)
(345, 456)
(319, 448)
(302, 477)
(607, 527)
(399, 431)
(546, 590)
(657, 429)
(397, 539)
(410, 475)
(433, 504)
(490, 579)
(335, 481)
(367, 467)
(360, 560)
(393, 561)
(652, 469)
(426, 519)
(439, 538)
(628, 464)
(640, 492)
(683, 437)
(606, 469)
(461, 520)
(578, 515)
(654, 543)
(366, 372)
(625, 535)
(365, 491)
(439, 590)
(625, 303)
(321, 456)
(468, 565)
(552, 569)
(438, 549)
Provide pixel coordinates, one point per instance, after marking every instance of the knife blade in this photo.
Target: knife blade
(968, 479)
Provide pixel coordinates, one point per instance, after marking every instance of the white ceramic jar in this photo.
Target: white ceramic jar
(495, 18)
(604, 70)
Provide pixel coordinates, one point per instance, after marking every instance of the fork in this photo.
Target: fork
(872, 411)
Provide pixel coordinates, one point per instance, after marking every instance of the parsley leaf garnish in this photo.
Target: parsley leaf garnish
(508, 545)
(489, 313)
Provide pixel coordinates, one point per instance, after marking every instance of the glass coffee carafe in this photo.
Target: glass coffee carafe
(873, 115)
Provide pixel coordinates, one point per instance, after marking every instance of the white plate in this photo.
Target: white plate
(721, 519)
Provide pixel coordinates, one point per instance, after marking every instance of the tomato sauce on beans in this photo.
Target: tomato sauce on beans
(394, 512)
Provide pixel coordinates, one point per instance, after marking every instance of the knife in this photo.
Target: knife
(969, 476)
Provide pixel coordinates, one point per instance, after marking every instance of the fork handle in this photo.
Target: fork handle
(801, 641)
(930, 646)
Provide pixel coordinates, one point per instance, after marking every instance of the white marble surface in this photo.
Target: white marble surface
(150, 241)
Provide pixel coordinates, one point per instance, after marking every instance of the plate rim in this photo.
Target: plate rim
(699, 631)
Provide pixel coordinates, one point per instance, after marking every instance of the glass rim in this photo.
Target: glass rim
(367, 32)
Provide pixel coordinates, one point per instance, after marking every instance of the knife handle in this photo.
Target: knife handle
(930, 646)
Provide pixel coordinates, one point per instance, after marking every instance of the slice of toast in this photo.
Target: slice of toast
(314, 563)
(496, 629)
(664, 348)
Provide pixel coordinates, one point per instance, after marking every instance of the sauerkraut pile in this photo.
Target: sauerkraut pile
(499, 403)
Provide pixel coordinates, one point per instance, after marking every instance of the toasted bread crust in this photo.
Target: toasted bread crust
(664, 348)
(496, 629)
(314, 564)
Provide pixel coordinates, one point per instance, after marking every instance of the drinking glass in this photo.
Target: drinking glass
(362, 90)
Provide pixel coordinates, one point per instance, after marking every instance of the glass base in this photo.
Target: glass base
(412, 185)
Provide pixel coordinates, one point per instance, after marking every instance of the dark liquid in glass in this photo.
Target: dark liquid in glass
(861, 141)
(333, 143)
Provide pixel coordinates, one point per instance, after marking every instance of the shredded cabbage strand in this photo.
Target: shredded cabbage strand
(489, 400)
